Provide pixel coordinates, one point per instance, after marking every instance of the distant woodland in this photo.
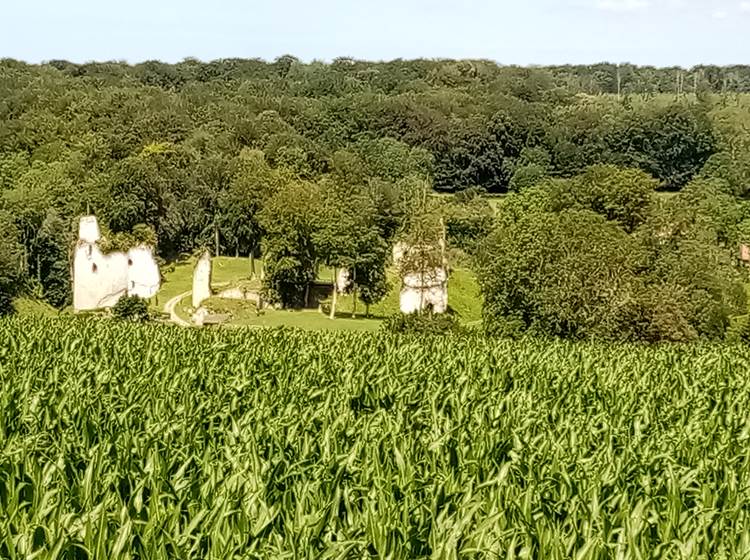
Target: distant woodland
(258, 157)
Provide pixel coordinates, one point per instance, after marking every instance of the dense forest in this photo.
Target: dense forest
(327, 163)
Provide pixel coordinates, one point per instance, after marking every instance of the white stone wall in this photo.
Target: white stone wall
(202, 280)
(419, 293)
(342, 280)
(399, 250)
(200, 316)
(88, 230)
(144, 278)
(240, 294)
(100, 280)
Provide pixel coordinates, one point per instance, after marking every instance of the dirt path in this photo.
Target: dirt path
(169, 308)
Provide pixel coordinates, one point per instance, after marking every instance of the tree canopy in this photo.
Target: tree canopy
(321, 164)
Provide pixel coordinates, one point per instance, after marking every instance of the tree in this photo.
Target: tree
(693, 285)
(35, 194)
(131, 308)
(671, 144)
(570, 274)
(467, 220)
(162, 144)
(620, 195)
(241, 202)
(575, 270)
(393, 160)
(477, 152)
(11, 263)
(422, 242)
(51, 260)
(372, 280)
(347, 236)
(288, 248)
(285, 63)
(530, 169)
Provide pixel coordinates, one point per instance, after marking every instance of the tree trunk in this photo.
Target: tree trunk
(354, 293)
(367, 310)
(216, 240)
(421, 290)
(335, 294)
(307, 295)
(252, 264)
(236, 251)
(354, 301)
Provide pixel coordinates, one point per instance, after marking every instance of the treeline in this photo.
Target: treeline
(347, 75)
(263, 157)
(475, 119)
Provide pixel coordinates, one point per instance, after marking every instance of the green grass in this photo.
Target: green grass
(388, 306)
(129, 441)
(178, 276)
(463, 297)
(494, 201)
(232, 270)
(306, 319)
(245, 314)
(177, 279)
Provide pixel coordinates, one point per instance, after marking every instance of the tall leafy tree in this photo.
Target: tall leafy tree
(288, 247)
(241, 202)
(11, 263)
(347, 237)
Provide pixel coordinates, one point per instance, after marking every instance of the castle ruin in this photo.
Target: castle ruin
(101, 279)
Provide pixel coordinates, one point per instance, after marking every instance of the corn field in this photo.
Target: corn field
(125, 441)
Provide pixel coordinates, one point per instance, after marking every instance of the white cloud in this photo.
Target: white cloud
(745, 6)
(623, 5)
(720, 14)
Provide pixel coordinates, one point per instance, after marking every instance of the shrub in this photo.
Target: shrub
(131, 308)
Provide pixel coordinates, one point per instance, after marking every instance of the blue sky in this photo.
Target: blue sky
(658, 32)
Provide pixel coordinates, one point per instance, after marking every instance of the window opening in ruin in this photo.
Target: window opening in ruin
(130, 262)
(94, 268)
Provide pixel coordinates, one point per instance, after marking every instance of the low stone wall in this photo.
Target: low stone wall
(240, 294)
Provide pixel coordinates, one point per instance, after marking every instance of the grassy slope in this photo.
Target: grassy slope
(178, 279)
(30, 307)
(232, 270)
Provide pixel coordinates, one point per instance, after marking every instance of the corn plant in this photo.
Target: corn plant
(122, 440)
